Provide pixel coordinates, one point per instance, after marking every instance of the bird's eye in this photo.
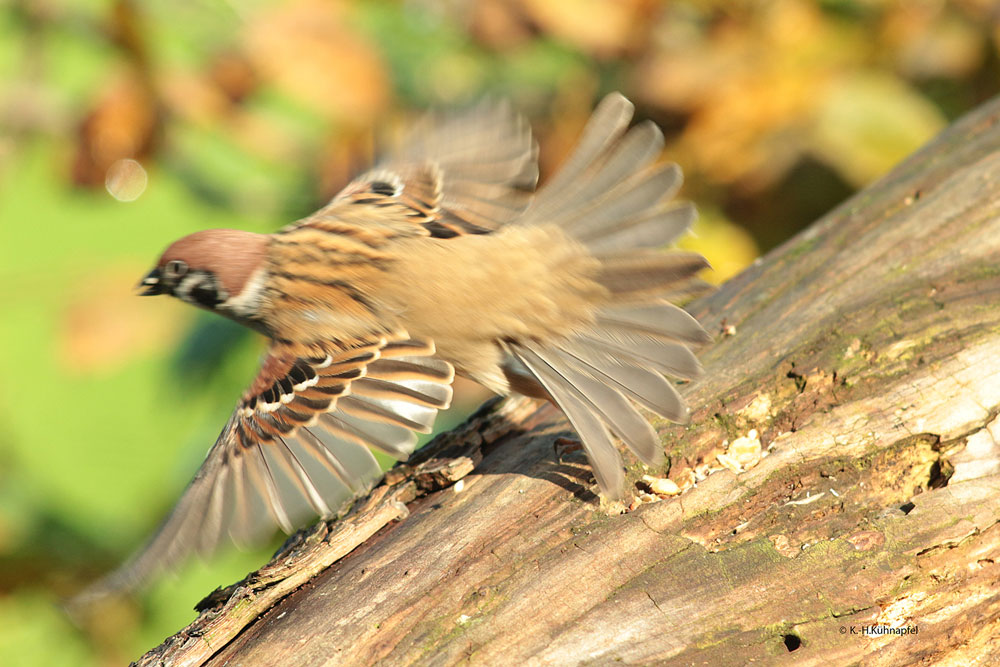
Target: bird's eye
(175, 268)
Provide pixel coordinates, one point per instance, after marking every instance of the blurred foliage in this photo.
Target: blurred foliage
(124, 125)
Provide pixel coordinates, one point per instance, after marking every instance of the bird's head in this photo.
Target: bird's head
(208, 269)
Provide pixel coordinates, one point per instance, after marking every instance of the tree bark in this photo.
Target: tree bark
(865, 352)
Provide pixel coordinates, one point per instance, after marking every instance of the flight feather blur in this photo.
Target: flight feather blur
(440, 260)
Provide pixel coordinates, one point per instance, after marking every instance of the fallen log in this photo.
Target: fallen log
(863, 356)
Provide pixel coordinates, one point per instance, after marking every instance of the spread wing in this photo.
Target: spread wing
(454, 174)
(297, 445)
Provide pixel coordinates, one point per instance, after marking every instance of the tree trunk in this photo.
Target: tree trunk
(865, 352)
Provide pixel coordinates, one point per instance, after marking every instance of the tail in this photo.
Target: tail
(611, 197)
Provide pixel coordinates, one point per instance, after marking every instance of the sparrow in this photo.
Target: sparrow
(442, 259)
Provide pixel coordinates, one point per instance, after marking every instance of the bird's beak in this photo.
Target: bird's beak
(151, 284)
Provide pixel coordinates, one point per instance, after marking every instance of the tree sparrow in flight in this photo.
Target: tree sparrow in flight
(440, 260)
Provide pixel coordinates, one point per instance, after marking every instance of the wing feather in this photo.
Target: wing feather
(298, 444)
(603, 455)
(457, 173)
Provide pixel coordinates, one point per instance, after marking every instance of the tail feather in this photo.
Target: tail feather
(657, 318)
(647, 388)
(605, 401)
(642, 274)
(612, 198)
(668, 357)
(601, 451)
(686, 290)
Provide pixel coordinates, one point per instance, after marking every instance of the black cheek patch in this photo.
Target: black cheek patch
(205, 295)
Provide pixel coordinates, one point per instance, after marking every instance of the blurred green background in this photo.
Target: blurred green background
(124, 125)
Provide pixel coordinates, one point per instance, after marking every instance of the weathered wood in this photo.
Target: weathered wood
(865, 352)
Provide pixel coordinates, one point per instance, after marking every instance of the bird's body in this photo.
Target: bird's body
(439, 261)
(517, 284)
(467, 294)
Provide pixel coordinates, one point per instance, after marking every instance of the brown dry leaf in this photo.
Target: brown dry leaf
(204, 102)
(345, 155)
(256, 132)
(680, 77)
(308, 50)
(603, 28)
(193, 97)
(930, 40)
(204, 97)
(104, 325)
(751, 87)
(750, 126)
(122, 124)
(233, 75)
